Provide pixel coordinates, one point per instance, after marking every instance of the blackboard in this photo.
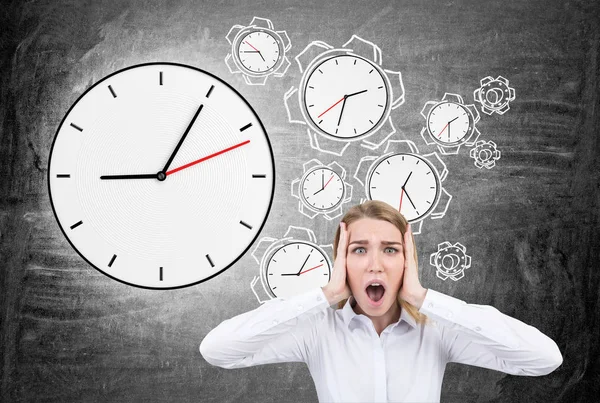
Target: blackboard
(530, 224)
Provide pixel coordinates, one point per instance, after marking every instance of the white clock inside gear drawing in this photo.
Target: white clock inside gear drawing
(297, 267)
(258, 51)
(450, 123)
(322, 188)
(161, 175)
(346, 96)
(407, 182)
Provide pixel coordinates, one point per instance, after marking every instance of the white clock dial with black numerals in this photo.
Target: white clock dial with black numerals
(346, 96)
(322, 188)
(258, 51)
(449, 123)
(405, 181)
(161, 175)
(296, 268)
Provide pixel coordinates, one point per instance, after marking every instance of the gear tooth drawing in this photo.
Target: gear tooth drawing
(485, 154)
(450, 261)
(494, 95)
(258, 51)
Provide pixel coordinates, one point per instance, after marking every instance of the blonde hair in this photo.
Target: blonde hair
(379, 210)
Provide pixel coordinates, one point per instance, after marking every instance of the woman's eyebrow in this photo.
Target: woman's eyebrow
(364, 241)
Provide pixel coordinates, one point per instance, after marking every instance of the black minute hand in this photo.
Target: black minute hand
(187, 130)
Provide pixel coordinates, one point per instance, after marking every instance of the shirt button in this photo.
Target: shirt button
(478, 328)
(275, 322)
(430, 305)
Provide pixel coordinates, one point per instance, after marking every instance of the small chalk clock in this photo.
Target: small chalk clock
(161, 175)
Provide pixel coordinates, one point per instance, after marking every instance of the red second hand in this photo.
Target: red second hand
(312, 268)
(205, 158)
(328, 182)
(332, 106)
(443, 129)
(401, 195)
(248, 43)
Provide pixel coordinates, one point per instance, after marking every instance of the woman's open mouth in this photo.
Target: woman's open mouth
(375, 294)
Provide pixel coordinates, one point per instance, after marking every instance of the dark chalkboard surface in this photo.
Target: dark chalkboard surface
(530, 224)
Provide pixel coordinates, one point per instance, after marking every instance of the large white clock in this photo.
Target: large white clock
(161, 175)
(406, 181)
(346, 96)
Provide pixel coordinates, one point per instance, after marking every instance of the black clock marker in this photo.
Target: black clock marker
(112, 91)
(161, 278)
(77, 224)
(160, 78)
(259, 176)
(245, 225)
(209, 91)
(320, 71)
(371, 121)
(77, 127)
(210, 261)
(371, 71)
(380, 87)
(320, 121)
(245, 127)
(112, 260)
(63, 176)
(354, 61)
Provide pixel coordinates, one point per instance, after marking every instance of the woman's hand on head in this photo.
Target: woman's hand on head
(411, 289)
(337, 288)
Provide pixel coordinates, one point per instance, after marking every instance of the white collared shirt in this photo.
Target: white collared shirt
(350, 362)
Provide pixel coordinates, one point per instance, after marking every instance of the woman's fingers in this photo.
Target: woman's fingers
(408, 246)
(342, 244)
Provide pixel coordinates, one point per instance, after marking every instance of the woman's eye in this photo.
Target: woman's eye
(359, 249)
(392, 249)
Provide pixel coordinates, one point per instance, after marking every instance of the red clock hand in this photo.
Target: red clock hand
(206, 158)
(312, 268)
(443, 129)
(401, 195)
(260, 54)
(328, 181)
(248, 43)
(344, 97)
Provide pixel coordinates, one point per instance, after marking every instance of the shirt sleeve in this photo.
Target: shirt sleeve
(482, 336)
(276, 331)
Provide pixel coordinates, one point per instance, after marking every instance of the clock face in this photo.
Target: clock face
(449, 123)
(161, 175)
(258, 51)
(405, 181)
(322, 189)
(346, 96)
(296, 268)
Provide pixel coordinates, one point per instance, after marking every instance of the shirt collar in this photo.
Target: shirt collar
(348, 314)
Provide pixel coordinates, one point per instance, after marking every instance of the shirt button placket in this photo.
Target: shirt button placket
(379, 372)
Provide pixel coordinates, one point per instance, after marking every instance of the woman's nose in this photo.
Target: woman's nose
(375, 264)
